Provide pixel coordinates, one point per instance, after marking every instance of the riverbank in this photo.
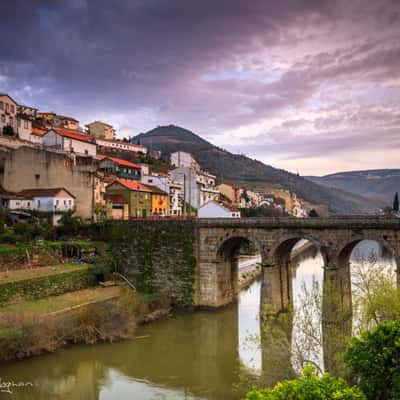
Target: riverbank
(249, 271)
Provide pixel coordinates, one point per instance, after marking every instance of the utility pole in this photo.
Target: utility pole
(184, 195)
(190, 191)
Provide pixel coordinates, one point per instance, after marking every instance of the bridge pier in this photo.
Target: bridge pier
(336, 316)
(276, 288)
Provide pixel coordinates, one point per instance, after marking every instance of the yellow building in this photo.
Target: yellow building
(100, 130)
(159, 201)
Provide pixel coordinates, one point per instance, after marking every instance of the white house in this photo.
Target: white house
(55, 200)
(119, 145)
(199, 186)
(214, 209)
(176, 199)
(73, 142)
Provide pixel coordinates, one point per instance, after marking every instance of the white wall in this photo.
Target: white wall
(213, 210)
(159, 181)
(52, 139)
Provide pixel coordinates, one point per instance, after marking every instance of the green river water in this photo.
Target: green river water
(193, 355)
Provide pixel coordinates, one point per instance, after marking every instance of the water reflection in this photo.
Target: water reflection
(190, 356)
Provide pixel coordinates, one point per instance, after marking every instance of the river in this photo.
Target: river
(193, 355)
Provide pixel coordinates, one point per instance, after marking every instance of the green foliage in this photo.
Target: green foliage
(69, 225)
(264, 211)
(44, 286)
(157, 256)
(28, 231)
(8, 237)
(374, 360)
(4, 219)
(101, 268)
(308, 387)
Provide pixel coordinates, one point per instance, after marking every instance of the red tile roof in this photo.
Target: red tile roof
(133, 185)
(119, 161)
(45, 192)
(72, 135)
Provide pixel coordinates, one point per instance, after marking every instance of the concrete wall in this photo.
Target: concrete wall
(29, 168)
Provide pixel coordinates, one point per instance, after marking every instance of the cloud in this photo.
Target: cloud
(276, 71)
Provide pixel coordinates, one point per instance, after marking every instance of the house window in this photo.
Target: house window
(3, 119)
(12, 108)
(11, 121)
(70, 202)
(38, 203)
(25, 124)
(19, 123)
(28, 203)
(56, 202)
(1, 105)
(7, 107)
(86, 152)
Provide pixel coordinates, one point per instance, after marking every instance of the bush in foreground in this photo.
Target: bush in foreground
(309, 387)
(374, 360)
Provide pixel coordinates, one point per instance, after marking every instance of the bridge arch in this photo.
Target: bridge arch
(282, 250)
(227, 265)
(346, 249)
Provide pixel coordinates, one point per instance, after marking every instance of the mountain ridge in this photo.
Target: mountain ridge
(377, 184)
(235, 168)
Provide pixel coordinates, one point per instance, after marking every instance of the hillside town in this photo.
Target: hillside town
(50, 163)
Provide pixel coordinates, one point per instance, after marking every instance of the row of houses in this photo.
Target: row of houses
(60, 131)
(52, 151)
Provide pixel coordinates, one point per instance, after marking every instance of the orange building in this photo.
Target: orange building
(159, 201)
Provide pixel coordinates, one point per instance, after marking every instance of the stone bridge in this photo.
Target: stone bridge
(218, 242)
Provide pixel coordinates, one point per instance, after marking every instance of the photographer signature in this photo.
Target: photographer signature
(9, 386)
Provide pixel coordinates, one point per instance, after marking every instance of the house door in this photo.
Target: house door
(144, 213)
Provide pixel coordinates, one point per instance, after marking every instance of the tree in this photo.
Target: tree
(69, 225)
(374, 360)
(309, 387)
(396, 203)
(8, 130)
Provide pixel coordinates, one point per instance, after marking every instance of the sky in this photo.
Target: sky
(311, 86)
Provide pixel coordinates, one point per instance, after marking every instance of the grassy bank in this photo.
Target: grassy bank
(33, 327)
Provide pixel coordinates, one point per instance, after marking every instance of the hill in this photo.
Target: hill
(379, 184)
(240, 169)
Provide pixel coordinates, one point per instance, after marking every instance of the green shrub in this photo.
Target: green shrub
(69, 225)
(44, 286)
(374, 360)
(8, 237)
(308, 387)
